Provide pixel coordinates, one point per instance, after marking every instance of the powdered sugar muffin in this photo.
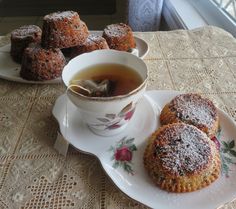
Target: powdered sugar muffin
(119, 37)
(192, 109)
(21, 38)
(181, 158)
(63, 30)
(93, 42)
(39, 64)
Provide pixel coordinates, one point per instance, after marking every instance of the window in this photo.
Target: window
(190, 14)
(221, 13)
(227, 6)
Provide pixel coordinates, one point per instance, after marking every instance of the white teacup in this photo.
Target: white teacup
(106, 116)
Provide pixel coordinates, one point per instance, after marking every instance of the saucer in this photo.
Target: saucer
(122, 155)
(78, 134)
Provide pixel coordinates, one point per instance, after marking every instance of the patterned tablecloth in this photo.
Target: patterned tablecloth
(34, 175)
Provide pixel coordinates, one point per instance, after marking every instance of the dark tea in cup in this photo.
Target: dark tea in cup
(105, 80)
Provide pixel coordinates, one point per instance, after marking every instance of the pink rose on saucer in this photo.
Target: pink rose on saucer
(123, 154)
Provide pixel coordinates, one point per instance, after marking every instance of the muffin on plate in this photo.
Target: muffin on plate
(119, 37)
(192, 109)
(21, 38)
(93, 42)
(39, 64)
(181, 158)
(63, 30)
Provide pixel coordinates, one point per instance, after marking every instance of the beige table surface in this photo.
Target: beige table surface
(34, 175)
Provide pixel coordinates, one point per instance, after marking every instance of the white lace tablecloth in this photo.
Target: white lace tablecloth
(34, 175)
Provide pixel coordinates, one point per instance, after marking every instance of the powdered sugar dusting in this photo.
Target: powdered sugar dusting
(95, 39)
(194, 109)
(183, 149)
(26, 30)
(61, 15)
(117, 30)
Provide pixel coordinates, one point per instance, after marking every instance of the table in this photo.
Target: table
(34, 175)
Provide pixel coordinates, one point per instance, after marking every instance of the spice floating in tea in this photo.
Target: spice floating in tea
(105, 80)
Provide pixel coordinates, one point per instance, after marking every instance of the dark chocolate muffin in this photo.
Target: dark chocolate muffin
(21, 38)
(40, 64)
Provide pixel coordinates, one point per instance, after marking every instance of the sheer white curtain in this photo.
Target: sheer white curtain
(144, 15)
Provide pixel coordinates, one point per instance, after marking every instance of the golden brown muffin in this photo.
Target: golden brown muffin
(194, 110)
(119, 37)
(40, 64)
(21, 38)
(181, 158)
(93, 42)
(63, 30)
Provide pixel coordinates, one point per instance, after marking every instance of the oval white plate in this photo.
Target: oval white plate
(10, 70)
(139, 186)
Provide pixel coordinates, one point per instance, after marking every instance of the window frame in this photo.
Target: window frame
(190, 14)
(213, 15)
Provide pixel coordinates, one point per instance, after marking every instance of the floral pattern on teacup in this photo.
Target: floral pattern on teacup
(113, 121)
(122, 154)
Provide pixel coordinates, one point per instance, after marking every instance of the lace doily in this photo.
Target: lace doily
(34, 175)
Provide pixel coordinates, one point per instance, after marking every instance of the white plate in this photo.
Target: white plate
(10, 70)
(139, 186)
